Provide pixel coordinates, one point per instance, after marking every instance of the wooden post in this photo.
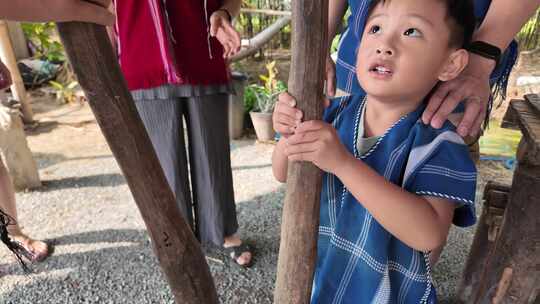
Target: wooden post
(17, 88)
(18, 40)
(300, 221)
(512, 273)
(495, 200)
(16, 155)
(178, 252)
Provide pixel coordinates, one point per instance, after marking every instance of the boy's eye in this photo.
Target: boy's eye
(374, 29)
(412, 32)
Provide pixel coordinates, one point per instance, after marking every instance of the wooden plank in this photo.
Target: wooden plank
(300, 221)
(534, 102)
(509, 120)
(529, 124)
(178, 252)
(495, 201)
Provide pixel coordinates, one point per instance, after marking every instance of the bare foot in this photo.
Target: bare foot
(33, 250)
(243, 258)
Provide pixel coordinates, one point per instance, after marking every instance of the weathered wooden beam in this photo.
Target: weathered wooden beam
(178, 252)
(534, 101)
(517, 246)
(489, 224)
(300, 221)
(509, 120)
(529, 124)
(512, 274)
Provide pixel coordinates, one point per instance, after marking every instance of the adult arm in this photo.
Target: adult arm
(336, 11)
(503, 21)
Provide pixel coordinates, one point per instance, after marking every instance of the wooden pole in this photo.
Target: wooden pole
(17, 88)
(300, 221)
(178, 252)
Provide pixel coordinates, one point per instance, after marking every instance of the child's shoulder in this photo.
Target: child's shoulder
(425, 133)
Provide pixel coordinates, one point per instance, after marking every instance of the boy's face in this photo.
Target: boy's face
(405, 49)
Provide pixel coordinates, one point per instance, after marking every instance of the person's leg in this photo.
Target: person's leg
(211, 173)
(36, 250)
(162, 119)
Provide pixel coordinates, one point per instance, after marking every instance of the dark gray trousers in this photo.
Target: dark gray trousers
(211, 209)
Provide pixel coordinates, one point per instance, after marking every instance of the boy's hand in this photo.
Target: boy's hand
(317, 142)
(286, 117)
(221, 28)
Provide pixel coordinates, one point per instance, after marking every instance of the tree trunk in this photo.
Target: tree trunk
(17, 88)
(178, 252)
(16, 155)
(300, 222)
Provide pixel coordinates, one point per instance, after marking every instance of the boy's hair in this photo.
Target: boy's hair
(460, 18)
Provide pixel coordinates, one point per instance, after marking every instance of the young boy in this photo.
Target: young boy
(392, 184)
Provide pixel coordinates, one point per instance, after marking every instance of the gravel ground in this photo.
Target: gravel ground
(102, 251)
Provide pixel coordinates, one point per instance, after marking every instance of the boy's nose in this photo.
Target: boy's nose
(386, 51)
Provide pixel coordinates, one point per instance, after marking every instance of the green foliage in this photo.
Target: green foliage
(529, 36)
(262, 98)
(43, 38)
(65, 93)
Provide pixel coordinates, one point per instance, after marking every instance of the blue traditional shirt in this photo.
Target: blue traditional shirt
(350, 39)
(358, 260)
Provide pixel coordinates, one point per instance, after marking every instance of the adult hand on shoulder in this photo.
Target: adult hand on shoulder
(471, 86)
(222, 29)
(5, 76)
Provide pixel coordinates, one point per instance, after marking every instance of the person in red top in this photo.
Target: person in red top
(37, 11)
(173, 57)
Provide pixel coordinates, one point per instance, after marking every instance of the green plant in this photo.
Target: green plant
(65, 93)
(262, 98)
(44, 41)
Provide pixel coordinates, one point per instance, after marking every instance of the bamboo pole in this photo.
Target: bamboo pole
(300, 222)
(179, 254)
(17, 88)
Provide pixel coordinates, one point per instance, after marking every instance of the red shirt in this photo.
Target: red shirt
(166, 42)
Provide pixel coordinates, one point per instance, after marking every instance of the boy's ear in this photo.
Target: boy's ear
(456, 62)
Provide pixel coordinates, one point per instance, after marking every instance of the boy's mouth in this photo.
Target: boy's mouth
(381, 71)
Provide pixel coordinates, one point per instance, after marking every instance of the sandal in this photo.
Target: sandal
(26, 250)
(234, 252)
